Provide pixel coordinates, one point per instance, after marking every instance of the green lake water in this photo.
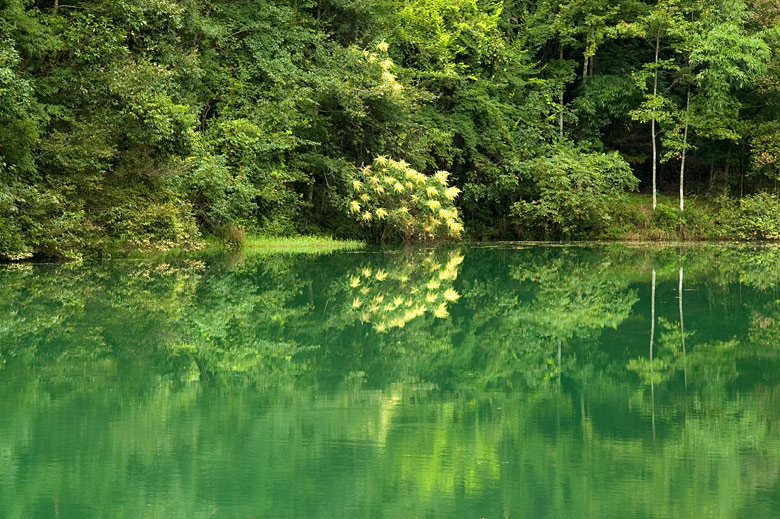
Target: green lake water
(502, 381)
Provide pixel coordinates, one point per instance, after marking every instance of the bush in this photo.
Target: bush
(232, 234)
(635, 219)
(394, 201)
(34, 220)
(219, 196)
(697, 221)
(753, 217)
(665, 217)
(571, 193)
(150, 224)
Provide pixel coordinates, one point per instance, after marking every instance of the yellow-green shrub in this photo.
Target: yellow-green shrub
(394, 201)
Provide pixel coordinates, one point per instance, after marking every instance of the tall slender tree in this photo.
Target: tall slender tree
(663, 22)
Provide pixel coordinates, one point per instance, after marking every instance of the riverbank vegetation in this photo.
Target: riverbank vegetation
(154, 123)
(308, 244)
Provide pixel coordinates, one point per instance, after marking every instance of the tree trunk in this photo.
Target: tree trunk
(652, 123)
(652, 320)
(682, 326)
(560, 117)
(56, 6)
(685, 145)
(586, 59)
(585, 69)
(655, 167)
(652, 336)
(741, 184)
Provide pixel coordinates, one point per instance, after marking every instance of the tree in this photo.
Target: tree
(664, 20)
(721, 56)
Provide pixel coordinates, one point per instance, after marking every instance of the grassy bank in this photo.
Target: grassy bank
(754, 217)
(298, 244)
(251, 245)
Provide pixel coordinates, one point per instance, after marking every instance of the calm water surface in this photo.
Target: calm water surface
(458, 382)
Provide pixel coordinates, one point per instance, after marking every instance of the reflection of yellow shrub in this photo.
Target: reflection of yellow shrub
(393, 198)
(391, 297)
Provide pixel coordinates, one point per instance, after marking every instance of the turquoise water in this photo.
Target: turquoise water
(470, 382)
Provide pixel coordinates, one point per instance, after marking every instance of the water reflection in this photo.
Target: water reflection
(408, 287)
(561, 381)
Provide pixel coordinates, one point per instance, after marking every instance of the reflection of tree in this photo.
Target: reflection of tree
(506, 328)
(393, 295)
(559, 301)
(574, 297)
(151, 362)
(497, 318)
(191, 322)
(667, 356)
(743, 277)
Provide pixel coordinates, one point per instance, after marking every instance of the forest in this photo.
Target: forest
(137, 124)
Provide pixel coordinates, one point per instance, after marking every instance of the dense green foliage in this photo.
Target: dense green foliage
(149, 123)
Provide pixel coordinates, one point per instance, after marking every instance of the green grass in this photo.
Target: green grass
(298, 244)
(252, 245)
(633, 219)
